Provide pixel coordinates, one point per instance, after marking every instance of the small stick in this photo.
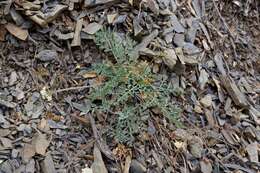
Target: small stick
(222, 19)
(73, 88)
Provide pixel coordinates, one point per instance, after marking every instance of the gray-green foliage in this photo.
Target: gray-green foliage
(129, 90)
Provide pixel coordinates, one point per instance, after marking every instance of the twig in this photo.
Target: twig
(73, 88)
(227, 28)
(222, 19)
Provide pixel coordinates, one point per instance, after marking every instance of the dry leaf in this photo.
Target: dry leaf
(16, 31)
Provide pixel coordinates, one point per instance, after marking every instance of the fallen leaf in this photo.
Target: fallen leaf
(16, 31)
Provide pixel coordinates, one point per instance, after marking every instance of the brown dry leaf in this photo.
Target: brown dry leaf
(28, 152)
(98, 166)
(16, 31)
(2, 33)
(40, 143)
(121, 151)
(89, 75)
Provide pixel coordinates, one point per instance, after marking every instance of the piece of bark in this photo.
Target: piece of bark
(76, 40)
(237, 96)
(16, 31)
(92, 3)
(255, 114)
(98, 166)
(220, 65)
(252, 150)
(127, 164)
(7, 104)
(144, 43)
(47, 165)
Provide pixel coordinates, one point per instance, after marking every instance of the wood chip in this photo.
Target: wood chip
(77, 40)
(170, 58)
(205, 166)
(40, 143)
(28, 152)
(98, 166)
(145, 42)
(2, 33)
(252, 151)
(238, 97)
(16, 31)
(92, 28)
(7, 104)
(47, 165)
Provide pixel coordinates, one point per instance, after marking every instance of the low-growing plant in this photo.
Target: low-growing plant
(130, 89)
